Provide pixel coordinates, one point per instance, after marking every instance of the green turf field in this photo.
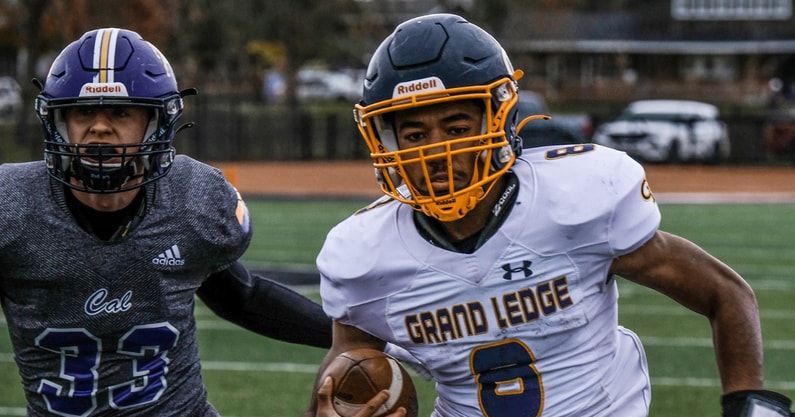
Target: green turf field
(248, 375)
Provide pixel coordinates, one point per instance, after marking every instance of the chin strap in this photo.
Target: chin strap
(102, 178)
(756, 403)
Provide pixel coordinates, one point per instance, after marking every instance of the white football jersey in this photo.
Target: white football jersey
(526, 325)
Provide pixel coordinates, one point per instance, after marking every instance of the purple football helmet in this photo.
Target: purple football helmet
(110, 67)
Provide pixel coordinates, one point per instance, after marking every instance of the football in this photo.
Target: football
(361, 373)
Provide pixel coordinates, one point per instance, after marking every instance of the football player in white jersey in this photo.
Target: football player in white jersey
(497, 272)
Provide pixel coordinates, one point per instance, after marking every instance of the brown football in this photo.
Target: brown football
(360, 374)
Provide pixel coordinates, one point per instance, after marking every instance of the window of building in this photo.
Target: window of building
(731, 9)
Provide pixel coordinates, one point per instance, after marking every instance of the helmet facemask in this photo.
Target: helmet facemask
(491, 151)
(110, 168)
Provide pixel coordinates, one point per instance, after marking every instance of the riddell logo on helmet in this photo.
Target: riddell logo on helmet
(418, 86)
(103, 89)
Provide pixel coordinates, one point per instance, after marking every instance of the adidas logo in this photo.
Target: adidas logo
(170, 257)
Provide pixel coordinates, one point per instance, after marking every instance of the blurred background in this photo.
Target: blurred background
(277, 78)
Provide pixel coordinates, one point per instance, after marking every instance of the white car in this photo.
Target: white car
(668, 131)
(319, 85)
(10, 96)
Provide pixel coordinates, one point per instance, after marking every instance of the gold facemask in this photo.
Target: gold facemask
(491, 150)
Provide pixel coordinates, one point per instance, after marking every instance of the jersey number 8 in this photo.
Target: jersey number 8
(508, 382)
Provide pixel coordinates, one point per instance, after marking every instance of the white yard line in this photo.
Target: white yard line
(714, 198)
(312, 369)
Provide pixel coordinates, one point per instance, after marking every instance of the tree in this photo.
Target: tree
(28, 25)
(309, 31)
(48, 25)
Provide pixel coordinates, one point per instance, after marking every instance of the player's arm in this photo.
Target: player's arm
(345, 338)
(683, 271)
(265, 307)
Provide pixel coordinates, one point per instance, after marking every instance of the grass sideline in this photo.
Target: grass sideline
(250, 376)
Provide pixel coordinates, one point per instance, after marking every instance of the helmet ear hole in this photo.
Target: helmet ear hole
(164, 160)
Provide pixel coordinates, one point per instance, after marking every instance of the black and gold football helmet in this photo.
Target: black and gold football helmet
(430, 60)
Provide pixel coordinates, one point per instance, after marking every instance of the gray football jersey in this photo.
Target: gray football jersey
(107, 328)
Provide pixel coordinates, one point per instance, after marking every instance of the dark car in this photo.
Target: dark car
(563, 129)
(779, 133)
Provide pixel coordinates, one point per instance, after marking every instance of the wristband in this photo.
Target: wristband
(755, 403)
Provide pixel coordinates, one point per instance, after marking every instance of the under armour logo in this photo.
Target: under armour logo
(509, 270)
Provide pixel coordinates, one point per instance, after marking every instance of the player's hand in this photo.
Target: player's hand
(756, 403)
(325, 408)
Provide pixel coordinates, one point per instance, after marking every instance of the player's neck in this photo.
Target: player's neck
(476, 220)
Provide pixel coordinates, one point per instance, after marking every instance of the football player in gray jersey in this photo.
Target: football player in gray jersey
(102, 252)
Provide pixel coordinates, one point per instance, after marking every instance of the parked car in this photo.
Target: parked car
(320, 85)
(668, 131)
(560, 129)
(779, 133)
(315, 85)
(10, 96)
